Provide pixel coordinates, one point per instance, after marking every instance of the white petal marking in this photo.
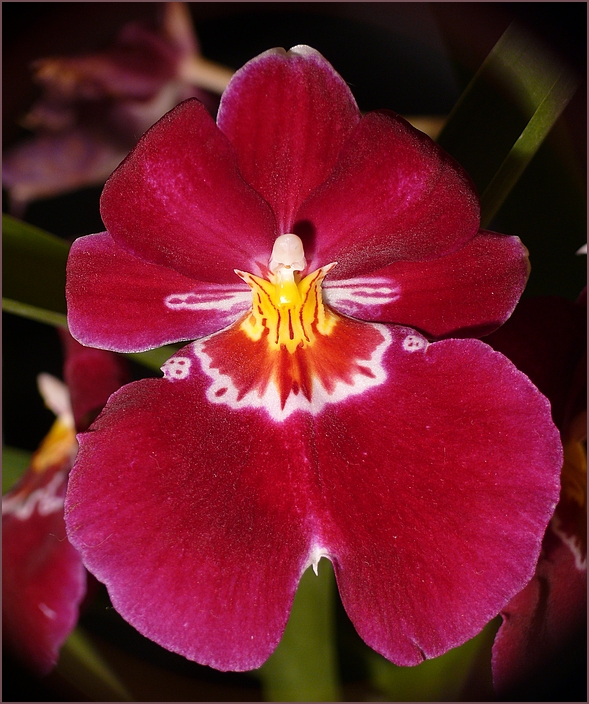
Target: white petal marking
(223, 390)
(223, 300)
(353, 295)
(414, 343)
(177, 368)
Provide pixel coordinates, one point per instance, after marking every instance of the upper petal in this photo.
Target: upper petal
(287, 114)
(468, 293)
(393, 194)
(178, 200)
(120, 302)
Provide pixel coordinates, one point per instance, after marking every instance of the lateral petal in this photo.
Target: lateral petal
(120, 302)
(468, 293)
(393, 194)
(287, 115)
(178, 200)
(196, 522)
(442, 482)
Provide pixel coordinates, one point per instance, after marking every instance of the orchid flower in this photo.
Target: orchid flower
(43, 579)
(546, 338)
(330, 271)
(94, 107)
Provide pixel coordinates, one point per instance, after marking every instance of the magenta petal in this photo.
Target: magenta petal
(441, 483)
(200, 541)
(288, 115)
(429, 524)
(91, 377)
(178, 200)
(119, 302)
(393, 194)
(43, 580)
(470, 292)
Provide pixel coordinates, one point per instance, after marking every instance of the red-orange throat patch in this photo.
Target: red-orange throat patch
(291, 351)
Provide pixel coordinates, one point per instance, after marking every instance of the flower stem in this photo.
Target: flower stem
(206, 74)
(304, 666)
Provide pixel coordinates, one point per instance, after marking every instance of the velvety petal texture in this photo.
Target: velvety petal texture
(227, 536)
(133, 291)
(179, 201)
(468, 293)
(429, 460)
(393, 194)
(287, 115)
(426, 472)
(400, 486)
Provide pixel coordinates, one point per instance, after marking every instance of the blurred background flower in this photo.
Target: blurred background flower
(546, 623)
(93, 107)
(43, 579)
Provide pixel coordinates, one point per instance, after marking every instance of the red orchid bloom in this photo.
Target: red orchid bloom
(546, 338)
(290, 430)
(43, 579)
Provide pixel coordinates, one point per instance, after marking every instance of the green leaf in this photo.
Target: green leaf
(83, 667)
(41, 315)
(304, 666)
(505, 114)
(33, 266)
(441, 679)
(14, 464)
(153, 359)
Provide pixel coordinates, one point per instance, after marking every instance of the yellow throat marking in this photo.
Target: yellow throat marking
(286, 308)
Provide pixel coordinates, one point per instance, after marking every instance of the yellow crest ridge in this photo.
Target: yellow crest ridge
(288, 312)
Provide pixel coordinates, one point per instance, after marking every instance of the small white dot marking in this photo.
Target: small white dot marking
(413, 343)
(177, 368)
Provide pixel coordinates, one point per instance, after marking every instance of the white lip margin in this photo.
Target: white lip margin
(222, 390)
(315, 555)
